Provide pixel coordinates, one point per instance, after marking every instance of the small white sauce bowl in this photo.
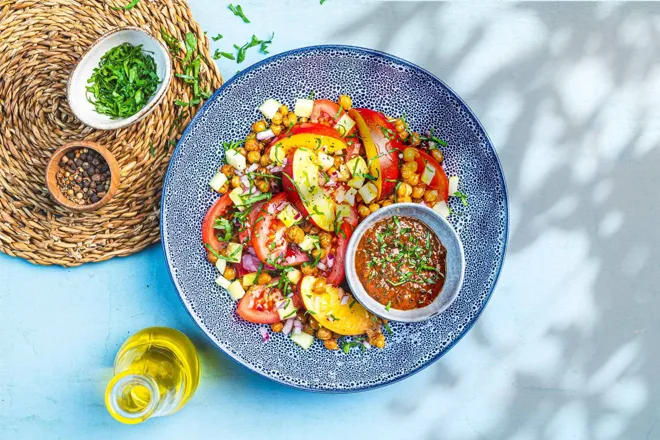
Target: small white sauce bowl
(76, 89)
(455, 262)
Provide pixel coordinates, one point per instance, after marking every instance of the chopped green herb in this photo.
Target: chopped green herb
(238, 11)
(311, 94)
(389, 304)
(123, 82)
(350, 306)
(462, 196)
(217, 37)
(151, 149)
(219, 54)
(127, 7)
(242, 50)
(222, 224)
(387, 328)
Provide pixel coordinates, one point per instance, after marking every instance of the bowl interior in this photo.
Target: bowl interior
(76, 88)
(455, 262)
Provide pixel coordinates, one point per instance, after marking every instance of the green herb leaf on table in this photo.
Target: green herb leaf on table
(219, 54)
(238, 11)
(127, 7)
(217, 37)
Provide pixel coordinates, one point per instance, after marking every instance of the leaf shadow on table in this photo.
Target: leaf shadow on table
(578, 136)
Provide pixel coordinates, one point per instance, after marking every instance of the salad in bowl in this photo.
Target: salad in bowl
(291, 194)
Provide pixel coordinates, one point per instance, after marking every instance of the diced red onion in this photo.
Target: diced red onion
(297, 323)
(298, 216)
(264, 334)
(290, 295)
(280, 206)
(288, 325)
(252, 168)
(245, 182)
(344, 300)
(263, 135)
(250, 262)
(366, 345)
(330, 257)
(330, 318)
(280, 304)
(321, 266)
(270, 209)
(297, 331)
(250, 250)
(277, 169)
(331, 264)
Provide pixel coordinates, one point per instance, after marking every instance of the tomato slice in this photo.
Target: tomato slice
(268, 237)
(440, 181)
(326, 112)
(259, 305)
(218, 209)
(337, 273)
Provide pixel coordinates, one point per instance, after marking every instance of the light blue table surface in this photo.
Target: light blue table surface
(567, 347)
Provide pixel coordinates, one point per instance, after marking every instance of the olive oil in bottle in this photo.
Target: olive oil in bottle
(156, 372)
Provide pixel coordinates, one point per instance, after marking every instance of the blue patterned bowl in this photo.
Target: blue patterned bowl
(375, 80)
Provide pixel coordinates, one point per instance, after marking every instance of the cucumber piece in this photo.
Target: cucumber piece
(303, 339)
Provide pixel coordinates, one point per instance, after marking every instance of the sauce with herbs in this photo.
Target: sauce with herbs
(401, 263)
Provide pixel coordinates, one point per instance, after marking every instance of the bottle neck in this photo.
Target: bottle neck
(133, 398)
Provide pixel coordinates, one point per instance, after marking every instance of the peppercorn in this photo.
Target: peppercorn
(83, 176)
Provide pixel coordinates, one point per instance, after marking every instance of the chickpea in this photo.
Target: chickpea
(320, 254)
(253, 156)
(363, 210)
(211, 258)
(431, 195)
(295, 234)
(404, 190)
(277, 327)
(403, 135)
(331, 344)
(413, 179)
(405, 199)
(399, 126)
(276, 129)
(259, 126)
(323, 334)
(374, 207)
(235, 182)
(325, 239)
(306, 226)
(414, 139)
(377, 340)
(417, 192)
(264, 161)
(345, 102)
(319, 285)
(284, 110)
(229, 273)
(410, 166)
(358, 198)
(314, 230)
(290, 119)
(386, 203)
(409, 154)
(277, 119)
(303, 120)
(250, 136)
(263, 186)
(437, 155)
(241, 151)
(313, 323)
(251, 145)
(338, 161)
(224, 188)
(227, 170)
(264, 278)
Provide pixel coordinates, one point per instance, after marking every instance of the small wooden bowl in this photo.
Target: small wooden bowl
(54, 165)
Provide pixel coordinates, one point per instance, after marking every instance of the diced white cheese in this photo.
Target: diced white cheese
(344, 174)
(236, 160)
(217, 181)
(428, 174)
(294, 276)
(269, 108)
(345, 124)
(221, 265)
(453, 185)
(249, 279)
(303, 108)
(340, 193)
(343, 211)
(234, 252)
(325, 161)
(442, 209)
(288, 310)
(350, 196)
(235, 290)
(236, 196)
(222, 282)
(289, 215)
(368, 192)
(357, 166)
(303, 339)
(308, 242)
(356, 182)
(277, 154)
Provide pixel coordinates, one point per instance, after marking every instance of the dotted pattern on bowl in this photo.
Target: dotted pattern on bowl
(376, 81)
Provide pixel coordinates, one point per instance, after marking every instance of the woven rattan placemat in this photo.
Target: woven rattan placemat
(40, 42)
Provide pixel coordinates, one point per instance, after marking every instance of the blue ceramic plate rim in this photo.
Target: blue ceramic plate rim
(359, 50)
